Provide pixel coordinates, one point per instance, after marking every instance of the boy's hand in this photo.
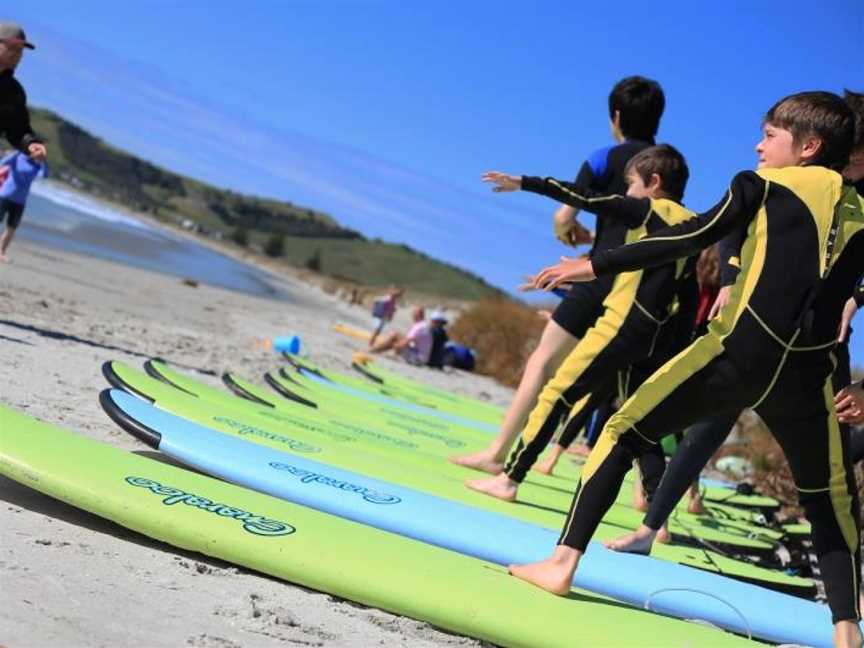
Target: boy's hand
(37, 151)
(849, 311)
(567, 271)
(723, 297)
(502, 181)
(4, 173)
(849, 403)
(567, 229)
(572, 233)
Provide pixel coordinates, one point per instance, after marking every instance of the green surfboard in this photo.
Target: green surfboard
(322, 552)
(541, 506)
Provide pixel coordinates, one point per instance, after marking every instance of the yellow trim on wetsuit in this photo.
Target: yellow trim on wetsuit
(841, 501)
(650, 394)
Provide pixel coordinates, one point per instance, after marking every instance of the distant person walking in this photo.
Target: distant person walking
(383, 310)
(19, 171)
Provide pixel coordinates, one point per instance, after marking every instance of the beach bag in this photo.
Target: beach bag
(459, 356)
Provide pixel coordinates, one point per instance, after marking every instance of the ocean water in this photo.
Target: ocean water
(68, 221)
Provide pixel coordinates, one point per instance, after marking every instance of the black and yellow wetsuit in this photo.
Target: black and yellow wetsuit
(601, 173)
(769, 349)
(634, 314)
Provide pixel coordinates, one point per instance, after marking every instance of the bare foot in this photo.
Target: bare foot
(579, 449)
(500, 486)
(847, 634)
(663, 536)
(483, 461)
(696, 507)
(546, 466)
(639, 501)
(555, 574)
(638, 542)
(4, 259)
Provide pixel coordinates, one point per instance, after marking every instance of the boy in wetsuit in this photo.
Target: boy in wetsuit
(701, 443)
(635, 107)
(769, 349)
(633, 331)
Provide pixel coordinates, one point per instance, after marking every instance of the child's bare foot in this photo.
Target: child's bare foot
(555, 574)
(4, 259)
(579, 449)
(639, 501)
(638, 542)
(546, 466)
(663, 535)
(484, 461)
(500, 486)
(696, 507)
(847, 634)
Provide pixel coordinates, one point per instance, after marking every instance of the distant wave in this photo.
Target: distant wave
(67, 198)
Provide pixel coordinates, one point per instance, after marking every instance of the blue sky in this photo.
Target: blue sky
(385, 114)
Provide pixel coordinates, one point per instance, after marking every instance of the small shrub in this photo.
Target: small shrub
(313, 263)
(275, 245)
(240, 236)
(502, 333)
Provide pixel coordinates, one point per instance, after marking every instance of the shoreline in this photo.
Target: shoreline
(258, 260)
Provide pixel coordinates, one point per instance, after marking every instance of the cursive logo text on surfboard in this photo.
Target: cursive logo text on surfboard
(244, 429)
(309, 477)
(252, 523)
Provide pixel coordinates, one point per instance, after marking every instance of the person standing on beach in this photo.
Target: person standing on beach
(635, 105)
(383, 310)
(14, 118)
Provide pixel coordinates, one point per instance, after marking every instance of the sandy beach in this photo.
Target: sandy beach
(72, 579)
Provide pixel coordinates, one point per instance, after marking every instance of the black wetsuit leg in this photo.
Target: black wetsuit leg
(693, 453)
(610, 346)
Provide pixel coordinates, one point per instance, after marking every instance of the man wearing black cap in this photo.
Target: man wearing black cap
(14, 118)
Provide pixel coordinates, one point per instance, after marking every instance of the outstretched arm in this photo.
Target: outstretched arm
(632, 211)
(737, 208)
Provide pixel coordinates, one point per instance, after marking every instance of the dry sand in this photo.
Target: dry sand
(68, 578)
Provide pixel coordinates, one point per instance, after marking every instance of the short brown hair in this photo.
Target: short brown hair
(667, 162)
(855, 101)
(821, 114)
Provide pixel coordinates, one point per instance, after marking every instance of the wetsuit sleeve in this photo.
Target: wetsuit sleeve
(730, 256)
(18, 131)
(632, 211)
(737, 208)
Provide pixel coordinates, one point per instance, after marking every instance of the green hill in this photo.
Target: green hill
(298, 235)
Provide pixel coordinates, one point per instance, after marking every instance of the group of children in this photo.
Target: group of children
(634, 328)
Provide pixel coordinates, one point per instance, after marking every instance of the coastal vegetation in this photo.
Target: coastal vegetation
(301, 236)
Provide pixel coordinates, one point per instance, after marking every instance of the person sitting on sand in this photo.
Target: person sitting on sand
(437, 322)
(414, 347)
